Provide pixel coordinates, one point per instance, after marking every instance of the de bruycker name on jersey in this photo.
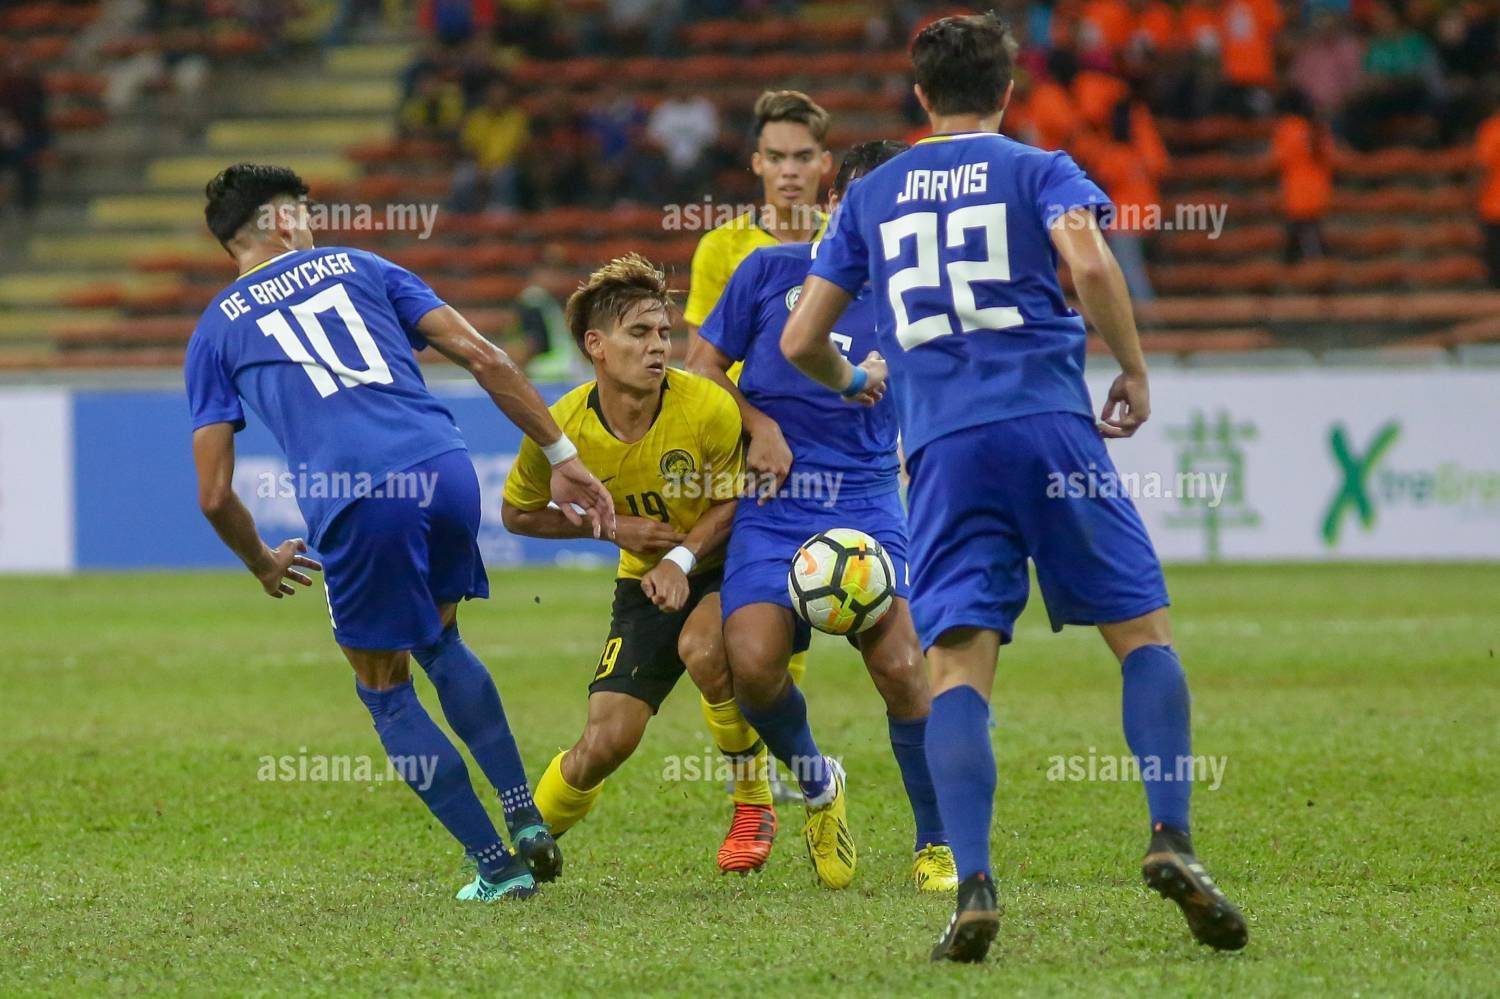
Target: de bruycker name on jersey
(288, 283)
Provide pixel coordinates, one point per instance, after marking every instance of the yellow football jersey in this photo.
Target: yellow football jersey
(719, 252)
(689, 459)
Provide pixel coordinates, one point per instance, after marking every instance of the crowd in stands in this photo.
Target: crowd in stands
(24, 131)
(1093, 76)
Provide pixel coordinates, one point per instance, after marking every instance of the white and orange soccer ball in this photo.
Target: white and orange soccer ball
(842, 582)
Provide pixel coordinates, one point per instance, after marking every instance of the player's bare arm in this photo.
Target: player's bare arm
(644, 535)
(806, 344)
(573, 485)
(667, 583)
(1106, 305)
(768, 453)
(276, 568)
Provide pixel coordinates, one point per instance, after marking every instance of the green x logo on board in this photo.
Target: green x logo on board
(1354, 495)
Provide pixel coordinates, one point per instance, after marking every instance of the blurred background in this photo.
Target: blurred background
(1353, 149)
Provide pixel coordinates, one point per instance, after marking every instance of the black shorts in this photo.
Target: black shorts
(640, 658)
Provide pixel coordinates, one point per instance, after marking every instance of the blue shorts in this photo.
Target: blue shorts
(984, 499)
(390, 558)
(766, 538)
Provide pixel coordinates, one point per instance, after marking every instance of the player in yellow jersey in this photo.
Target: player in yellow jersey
(791, 159)
(667, 445)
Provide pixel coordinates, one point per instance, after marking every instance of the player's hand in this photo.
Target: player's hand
(646, 536)
(666, 586)
(874, 389)
(573, 485)
(1128, 406)
(769, 459)
(281, 564)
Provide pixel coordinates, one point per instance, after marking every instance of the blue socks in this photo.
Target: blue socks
(962, 764)
(783, 727)
(432, 766)
(472, 706)
(1156, 712)
(908, 743)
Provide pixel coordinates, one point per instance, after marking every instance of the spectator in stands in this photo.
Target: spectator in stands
(554, 171)
(454, 22)
(1328, 66)
(1487, 158)
(1128, 159)
(1403, 85)
(475, 67)
(684, 126)
(1247, 34)
(434, 112)
(1302, 151)
(492, 139)
(24, 133)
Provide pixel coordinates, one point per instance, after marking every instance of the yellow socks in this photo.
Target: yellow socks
(560, 803)
(736, 740)
(796, 666)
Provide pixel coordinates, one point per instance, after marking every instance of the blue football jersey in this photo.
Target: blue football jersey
(953, 235)
(827, 435)
(319, 344)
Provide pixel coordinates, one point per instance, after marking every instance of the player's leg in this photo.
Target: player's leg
(1096, 565)
(574, 779)
(760, 638)
(752, 830)
(432, 767)
(636, 671)
(470, 700)
(894, 661)
(375, 561)
(969, 584)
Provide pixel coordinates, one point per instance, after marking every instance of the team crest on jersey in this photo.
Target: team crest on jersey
(792, 296)
(676, 465)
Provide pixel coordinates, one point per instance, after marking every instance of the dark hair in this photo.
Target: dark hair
(238, 192)
(963, 63)
(862, 158)
(791, 105)
(611, 291)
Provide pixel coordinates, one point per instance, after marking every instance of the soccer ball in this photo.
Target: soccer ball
(842, 581)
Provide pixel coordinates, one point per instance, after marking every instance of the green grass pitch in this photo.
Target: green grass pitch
(1356, 706)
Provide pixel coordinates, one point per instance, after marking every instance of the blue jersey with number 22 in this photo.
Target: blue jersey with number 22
(954, 236)
(319, 344)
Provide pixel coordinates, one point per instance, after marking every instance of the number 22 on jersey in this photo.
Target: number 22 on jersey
(930, 268)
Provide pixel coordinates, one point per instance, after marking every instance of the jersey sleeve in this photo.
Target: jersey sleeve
(842, 256)
(723, 450)
(529, 484)
(409, 295)
(732, 323)
(708, 278)
(1064, 187)
(211, 393)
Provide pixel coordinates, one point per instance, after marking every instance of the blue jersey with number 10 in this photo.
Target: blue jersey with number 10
(954, 236)
(319, 343)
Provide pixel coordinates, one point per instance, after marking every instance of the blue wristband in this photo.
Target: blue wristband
(857, 383)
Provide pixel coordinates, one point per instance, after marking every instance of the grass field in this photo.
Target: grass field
(1357, 708)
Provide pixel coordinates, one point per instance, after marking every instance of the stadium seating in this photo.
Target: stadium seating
(126, 289)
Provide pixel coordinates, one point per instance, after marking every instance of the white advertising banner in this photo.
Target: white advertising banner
(36, 481)
(1318, 464)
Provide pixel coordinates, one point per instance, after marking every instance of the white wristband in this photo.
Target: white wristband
(559, 451)
(682, 558)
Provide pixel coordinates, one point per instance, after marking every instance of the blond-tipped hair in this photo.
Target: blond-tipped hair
(791, 105)
(611, 291)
